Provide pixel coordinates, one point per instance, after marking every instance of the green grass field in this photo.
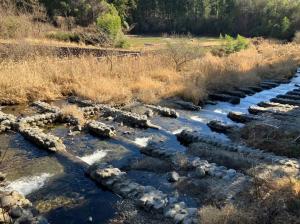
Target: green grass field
(158, 42)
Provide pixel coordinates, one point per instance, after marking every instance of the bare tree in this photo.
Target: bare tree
(182, 52)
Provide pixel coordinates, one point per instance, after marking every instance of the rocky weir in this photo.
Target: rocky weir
(128, 151)
(15, 208)
(145, 196)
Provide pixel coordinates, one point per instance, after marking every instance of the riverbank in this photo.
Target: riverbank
(27, 76)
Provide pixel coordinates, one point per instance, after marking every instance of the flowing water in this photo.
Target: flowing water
(57, 185)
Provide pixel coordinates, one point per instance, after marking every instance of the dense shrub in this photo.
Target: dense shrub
(64, 36)
(110, 22)
(88, 36)
(235, 44)
(231, 45)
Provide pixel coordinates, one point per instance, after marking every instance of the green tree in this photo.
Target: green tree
(110, 22)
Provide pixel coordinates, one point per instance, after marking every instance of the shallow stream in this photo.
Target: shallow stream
(57, 185)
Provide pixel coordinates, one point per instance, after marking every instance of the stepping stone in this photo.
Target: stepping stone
(241, 117)
(220, 127)
(225, 98)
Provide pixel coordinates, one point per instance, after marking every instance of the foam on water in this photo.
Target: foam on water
(143, 142)
(178, 131)
(200, 119)
(27, 185)
(95, 157)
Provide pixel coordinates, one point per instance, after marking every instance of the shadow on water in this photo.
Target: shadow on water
(64, 195)
(67, 196)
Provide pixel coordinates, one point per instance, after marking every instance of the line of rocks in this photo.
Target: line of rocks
(273, 110)
(41, 139)
(40, 119)
(245, 90)
(294, 92)
(289, 97)
(15, 208)
(234, 96)
(45, 107)
(272, 104)
(164, 111)
(268, 85)
(235, 93)
(202, 168)
(185, 105)
(128, 118)
(6, 121)
(58, 115)
(95, 127)
(147, 197)
(33, 134)
(221, 127)
(89, 111)
(242, 117)
(225, 98)
(188, 137)
(101, 129)
(286, 101)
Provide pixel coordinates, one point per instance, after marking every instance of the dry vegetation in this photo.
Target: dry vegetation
(73, 112)
(22, 24)
(27, 73)
(147, 78)
(270, 201)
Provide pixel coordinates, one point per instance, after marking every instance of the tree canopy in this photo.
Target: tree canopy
(271, 18)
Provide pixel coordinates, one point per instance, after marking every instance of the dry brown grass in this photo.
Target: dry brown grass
(227, 215)
(148, 78)
(20, 23)
(73, 112)
(270, 201)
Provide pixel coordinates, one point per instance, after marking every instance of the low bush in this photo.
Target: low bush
(110, 22)
(231, 45)
(64, 36)
(121, 42)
